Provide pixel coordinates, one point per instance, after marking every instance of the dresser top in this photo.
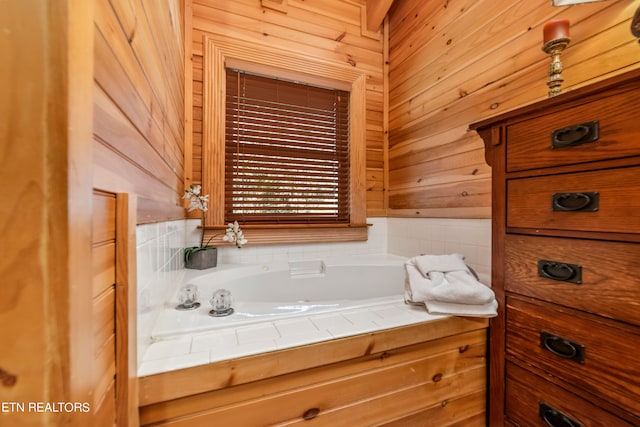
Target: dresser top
(547, 104)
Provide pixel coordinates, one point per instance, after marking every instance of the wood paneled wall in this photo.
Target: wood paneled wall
(103, 321)
(139, 101)
(458, 61)
(45, 214)
(138, 148)
(333, 31)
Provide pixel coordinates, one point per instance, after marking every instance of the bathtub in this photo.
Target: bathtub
(266, 292)
(331, 337)
(280, 306)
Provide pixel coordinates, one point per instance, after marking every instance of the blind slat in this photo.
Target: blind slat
(271, 146)
(286, 151)
(273, 168)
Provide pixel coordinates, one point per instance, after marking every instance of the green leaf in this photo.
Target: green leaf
(193, 249)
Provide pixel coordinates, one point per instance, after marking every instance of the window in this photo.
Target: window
(286, 151)
(219, 56)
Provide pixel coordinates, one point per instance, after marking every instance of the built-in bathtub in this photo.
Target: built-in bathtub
(266, 292)
(280, 305)
(327, 339)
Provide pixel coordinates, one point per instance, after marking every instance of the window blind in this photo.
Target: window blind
(286, 151)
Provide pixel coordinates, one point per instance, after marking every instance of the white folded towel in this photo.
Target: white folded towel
(440, 263)
(458, 287)
(444, 284)
(483, 310)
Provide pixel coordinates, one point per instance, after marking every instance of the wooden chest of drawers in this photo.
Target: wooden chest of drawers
(565, 347)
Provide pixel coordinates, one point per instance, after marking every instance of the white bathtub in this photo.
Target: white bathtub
(279, 306)
(283, 290)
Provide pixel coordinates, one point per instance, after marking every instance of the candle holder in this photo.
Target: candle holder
(554, 48)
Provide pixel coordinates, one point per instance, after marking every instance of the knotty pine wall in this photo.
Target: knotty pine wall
(458, 61)
(138, 148)
(139, 102)
(330, 30)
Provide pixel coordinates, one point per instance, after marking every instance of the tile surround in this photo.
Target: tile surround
(160, 268)
(277, 335)
(160, 264)
(376, 244)
(469, 237)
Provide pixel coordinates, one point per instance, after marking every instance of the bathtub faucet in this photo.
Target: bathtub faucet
(188, 298)
(221, 303)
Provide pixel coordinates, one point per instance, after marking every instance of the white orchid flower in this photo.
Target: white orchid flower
(235, 235)
(196, 201)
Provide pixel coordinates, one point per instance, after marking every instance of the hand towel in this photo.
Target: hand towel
(415, 284)
(454, 291)
(440, 263)
(458, 287)
(479, 310)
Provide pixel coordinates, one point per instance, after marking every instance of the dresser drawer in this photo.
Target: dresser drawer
(531, 400)
(586, 352)
(596, 276)
(602, 201)
(531, 142)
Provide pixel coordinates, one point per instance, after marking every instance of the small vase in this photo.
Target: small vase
(199, 260)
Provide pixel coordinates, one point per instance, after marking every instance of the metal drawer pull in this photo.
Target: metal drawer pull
(575, 135)
(571, 202)
(562, 347)
(555, 418)
(560, 271)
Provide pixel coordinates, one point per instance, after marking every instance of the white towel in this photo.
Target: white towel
(458, 287)
(440, 263)
(444, 284)
(415, 284)
(483, 310)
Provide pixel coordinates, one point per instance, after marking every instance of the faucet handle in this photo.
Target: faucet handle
(221, 303)
(188, 297)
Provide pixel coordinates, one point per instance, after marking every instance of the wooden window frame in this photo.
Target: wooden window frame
(219, 54)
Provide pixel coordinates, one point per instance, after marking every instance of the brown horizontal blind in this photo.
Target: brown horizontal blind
(286, 151)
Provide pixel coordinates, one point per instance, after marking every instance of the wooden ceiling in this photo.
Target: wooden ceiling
(376, 10)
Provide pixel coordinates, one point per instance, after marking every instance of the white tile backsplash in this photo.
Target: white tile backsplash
(376, 244)
(435, 236)
(159, 270)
